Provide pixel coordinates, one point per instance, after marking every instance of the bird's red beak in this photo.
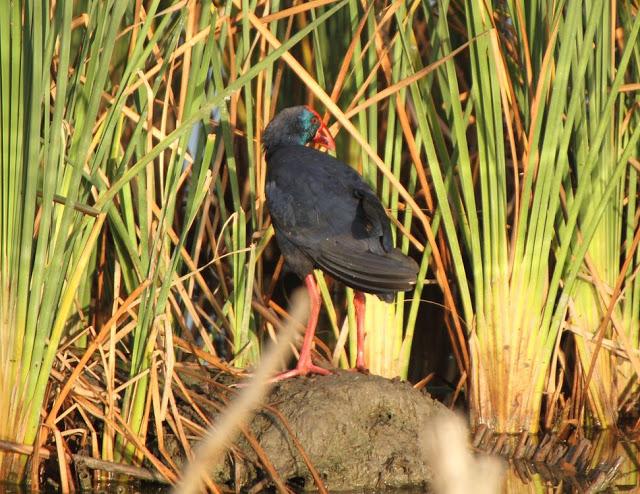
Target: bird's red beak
(323, 136)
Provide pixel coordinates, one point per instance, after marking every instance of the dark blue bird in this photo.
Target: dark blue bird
(325, 216)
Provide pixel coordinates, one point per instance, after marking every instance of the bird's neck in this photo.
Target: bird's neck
(273, 139)
(272, 147)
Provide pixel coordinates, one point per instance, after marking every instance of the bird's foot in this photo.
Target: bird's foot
(360, 365)
(302, 369)
(361, 368)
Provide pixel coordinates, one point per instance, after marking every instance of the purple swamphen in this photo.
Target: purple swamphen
(325, 216)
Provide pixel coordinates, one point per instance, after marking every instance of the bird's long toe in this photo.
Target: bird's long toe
(361, 368)
(302, 370)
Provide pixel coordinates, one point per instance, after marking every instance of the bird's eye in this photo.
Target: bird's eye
(315, 121)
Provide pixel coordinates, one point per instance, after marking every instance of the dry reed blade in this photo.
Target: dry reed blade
(127, 304)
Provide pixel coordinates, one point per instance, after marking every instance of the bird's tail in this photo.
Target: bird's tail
(380, 274)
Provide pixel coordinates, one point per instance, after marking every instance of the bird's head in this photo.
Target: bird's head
(297, 125)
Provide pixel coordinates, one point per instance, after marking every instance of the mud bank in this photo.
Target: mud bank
(358, 431)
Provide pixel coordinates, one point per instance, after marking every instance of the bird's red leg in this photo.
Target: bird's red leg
(358, 302)
(305, 365)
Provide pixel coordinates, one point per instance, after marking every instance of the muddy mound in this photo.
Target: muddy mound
(358, 431)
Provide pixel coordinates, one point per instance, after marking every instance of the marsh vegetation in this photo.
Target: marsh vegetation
(501, 136)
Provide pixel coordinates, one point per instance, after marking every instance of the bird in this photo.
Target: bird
(326, 217)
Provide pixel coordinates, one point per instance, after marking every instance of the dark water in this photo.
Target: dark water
(606, 446)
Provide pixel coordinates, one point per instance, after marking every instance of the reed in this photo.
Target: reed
(537, 164)
(133, 205)
(47, 229)
(502, 138)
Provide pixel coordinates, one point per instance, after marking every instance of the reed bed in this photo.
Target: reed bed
(502, 138)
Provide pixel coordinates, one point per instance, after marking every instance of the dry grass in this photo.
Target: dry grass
(220, 435)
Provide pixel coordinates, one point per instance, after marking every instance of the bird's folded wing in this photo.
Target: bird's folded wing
(366, 271)
(376, 215)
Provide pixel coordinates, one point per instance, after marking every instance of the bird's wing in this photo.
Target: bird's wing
(365, 270)
(376, 216)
